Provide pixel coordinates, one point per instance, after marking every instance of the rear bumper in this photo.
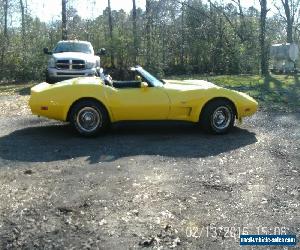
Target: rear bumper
(43, 103)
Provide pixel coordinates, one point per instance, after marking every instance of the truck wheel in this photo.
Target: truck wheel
(49, 79)
(89, 118)
(218, 117)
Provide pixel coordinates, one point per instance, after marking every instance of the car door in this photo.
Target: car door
(145, 103)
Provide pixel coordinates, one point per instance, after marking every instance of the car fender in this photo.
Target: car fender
(216, 94)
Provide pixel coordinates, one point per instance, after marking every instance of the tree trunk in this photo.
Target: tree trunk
(23, 27)
(5, 33)
(23, 23)
(112, 58)
(135, 38)
(182, 37)
(262, 38)
(289, 32)
(289, 20)
(148, 34)
(5, 17)
(64, 20)
(164, 47)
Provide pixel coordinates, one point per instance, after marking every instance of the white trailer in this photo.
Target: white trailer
(284, 58)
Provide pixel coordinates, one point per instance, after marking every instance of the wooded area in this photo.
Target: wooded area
(169, 37)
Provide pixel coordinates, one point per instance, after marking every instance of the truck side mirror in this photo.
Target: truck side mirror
(101, 52)
(47, 52)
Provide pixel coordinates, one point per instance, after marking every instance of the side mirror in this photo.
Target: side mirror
(144, 85)
(47, 52)
(101, 52)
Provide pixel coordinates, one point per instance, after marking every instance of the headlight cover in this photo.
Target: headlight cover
(51, 63)
(90, 64)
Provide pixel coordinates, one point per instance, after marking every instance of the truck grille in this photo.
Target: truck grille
(70, 64)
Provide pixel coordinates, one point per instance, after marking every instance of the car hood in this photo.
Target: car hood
(189, 84)
(73, 55)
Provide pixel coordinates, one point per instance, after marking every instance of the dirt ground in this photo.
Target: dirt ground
(155, 185)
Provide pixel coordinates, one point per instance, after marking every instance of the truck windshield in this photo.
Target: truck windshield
(74, 47)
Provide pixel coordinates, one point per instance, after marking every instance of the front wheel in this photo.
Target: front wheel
(218, 117)
(89, 118)
(49, 79)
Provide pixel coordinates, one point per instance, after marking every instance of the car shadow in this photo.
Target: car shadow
(59, 142)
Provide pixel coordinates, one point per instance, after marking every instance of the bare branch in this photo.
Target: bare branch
(279, 12)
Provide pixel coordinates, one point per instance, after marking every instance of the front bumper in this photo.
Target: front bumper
(247, 108)
(58, 74)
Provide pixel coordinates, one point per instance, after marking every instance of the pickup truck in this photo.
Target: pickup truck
(71, 59)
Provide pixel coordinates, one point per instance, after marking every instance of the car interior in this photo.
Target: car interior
(133, 80)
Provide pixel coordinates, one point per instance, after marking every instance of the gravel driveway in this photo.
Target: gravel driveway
(156, 185)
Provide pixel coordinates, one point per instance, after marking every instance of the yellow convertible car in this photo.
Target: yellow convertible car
(91, 104)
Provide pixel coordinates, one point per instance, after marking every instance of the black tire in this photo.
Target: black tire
(49, 80)
(97, 74)
(89, 118)
(218, 117)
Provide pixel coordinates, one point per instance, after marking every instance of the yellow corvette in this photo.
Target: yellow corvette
(91, 104)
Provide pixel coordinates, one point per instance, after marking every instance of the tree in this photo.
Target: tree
(5, 18)
(5, 33)
(148, 32)
(291, 9)
(64, 20)
(110, 24)
(262, 37)
(182, 36)
(135, 38)
(22, 7)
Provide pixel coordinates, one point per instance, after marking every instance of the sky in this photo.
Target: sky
(48, 10)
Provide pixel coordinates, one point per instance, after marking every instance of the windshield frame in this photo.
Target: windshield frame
(88, 50)
(151, 79)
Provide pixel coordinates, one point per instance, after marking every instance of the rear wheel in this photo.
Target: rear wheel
(218, 117)
(89, 118)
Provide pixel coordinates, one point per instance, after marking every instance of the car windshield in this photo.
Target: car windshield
(74, 47)
(152, 79)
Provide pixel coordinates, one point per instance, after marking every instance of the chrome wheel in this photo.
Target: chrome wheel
(88, 119)
(221, 118)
